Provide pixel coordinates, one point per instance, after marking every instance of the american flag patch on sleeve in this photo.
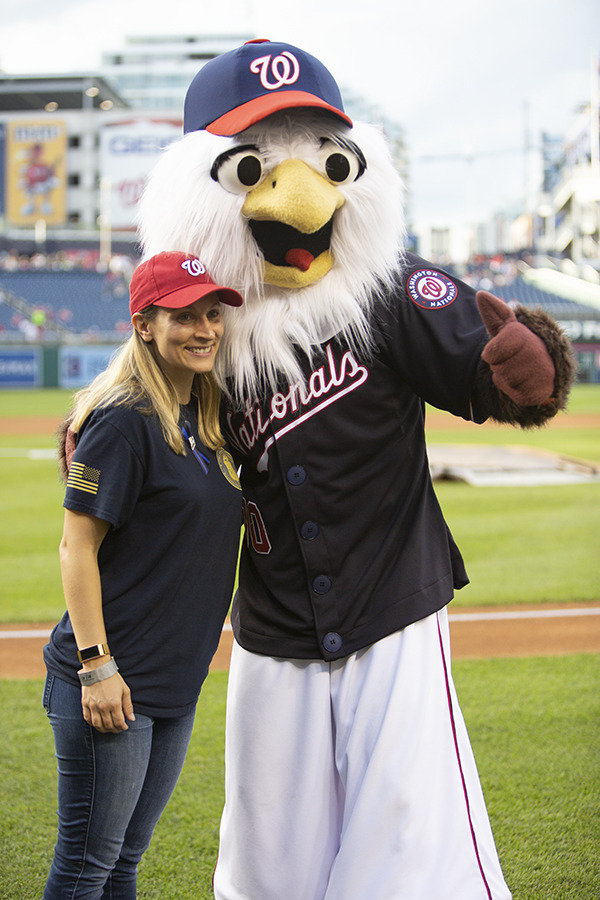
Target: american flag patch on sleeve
(83, 478)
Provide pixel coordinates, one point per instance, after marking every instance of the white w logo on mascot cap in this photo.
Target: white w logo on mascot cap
(193, 267)
(280, 69)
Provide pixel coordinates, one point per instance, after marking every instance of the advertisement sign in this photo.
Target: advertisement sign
(2, 169)
(79, 365)
(36, 166)
(20, 367)
(128, 152)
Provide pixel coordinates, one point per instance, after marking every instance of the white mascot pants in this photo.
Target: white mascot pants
(353, 780)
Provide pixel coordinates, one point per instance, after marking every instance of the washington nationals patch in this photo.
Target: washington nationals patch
(431, 289)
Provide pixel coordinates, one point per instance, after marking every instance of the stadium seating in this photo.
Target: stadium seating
(528, 295)
(86, 302)
(81, 301)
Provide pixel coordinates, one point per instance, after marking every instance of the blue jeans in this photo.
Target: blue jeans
(112, 789)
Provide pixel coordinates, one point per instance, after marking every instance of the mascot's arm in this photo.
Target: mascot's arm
(526, 369)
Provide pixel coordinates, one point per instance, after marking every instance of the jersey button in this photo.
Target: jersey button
(309, 531)
(321, 584)
(296, 475)
(332, 642)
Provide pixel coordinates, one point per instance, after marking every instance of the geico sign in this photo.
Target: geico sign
(148, 143)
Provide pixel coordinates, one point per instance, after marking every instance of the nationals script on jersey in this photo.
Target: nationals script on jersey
(326, 384)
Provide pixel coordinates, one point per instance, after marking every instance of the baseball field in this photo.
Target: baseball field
(533, 713)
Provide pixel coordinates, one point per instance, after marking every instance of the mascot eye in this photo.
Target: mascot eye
(238, 170)
(341, 164)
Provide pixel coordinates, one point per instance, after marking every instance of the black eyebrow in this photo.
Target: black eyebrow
(223, 157)
(346, 144)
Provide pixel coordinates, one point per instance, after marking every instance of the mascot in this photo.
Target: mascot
(349, 773)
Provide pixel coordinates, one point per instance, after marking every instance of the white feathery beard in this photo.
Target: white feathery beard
(184, 209)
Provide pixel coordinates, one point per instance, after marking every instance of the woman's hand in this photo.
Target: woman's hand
(107, 705)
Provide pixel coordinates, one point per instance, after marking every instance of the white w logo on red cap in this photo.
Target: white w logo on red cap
(281, 69)
(193, 266)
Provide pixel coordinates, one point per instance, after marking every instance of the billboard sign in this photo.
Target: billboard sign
(20, 367)
(80, 365)
(128, 152)
(36, 172)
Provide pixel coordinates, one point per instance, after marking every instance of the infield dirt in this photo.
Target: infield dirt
(481, 637)
(47, 425)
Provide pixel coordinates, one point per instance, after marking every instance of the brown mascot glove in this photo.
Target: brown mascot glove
(521, 365)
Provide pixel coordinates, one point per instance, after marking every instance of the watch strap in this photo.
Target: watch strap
(100, 674)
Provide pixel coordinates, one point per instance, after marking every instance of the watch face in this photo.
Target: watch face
(93, 652)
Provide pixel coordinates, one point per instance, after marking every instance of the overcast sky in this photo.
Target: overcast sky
(467, 78)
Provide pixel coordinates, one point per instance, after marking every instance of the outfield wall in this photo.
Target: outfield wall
(72, 366)
(68, 366)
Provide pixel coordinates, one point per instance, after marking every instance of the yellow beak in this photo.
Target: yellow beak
(298, 203)
(296, 195)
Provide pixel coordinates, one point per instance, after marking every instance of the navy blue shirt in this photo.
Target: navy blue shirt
(167, 564)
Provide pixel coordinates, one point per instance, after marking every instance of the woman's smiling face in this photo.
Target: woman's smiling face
(185, 340)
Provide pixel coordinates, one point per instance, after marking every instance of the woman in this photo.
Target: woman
(148, 556)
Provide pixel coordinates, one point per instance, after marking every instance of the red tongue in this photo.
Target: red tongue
(299, 258)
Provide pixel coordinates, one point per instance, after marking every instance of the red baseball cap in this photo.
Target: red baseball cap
(174, 280)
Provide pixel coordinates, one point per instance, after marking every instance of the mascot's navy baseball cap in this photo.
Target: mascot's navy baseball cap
(174, 280)
(237, 89)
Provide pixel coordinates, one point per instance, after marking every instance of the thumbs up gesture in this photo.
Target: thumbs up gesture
(521, 365)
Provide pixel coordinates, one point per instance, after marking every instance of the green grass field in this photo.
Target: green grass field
(533, 722)
(561, 436)
(533, 726)
(530, 545)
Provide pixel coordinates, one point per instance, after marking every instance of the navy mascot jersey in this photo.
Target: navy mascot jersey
(345, 540)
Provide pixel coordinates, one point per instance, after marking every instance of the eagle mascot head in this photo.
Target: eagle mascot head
(285, 200)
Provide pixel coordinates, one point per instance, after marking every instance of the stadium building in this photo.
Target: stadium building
(75, 151)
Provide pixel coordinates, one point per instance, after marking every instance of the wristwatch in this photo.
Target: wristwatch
(93, 652)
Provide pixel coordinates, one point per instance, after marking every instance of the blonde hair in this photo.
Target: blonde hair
(134, 377)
